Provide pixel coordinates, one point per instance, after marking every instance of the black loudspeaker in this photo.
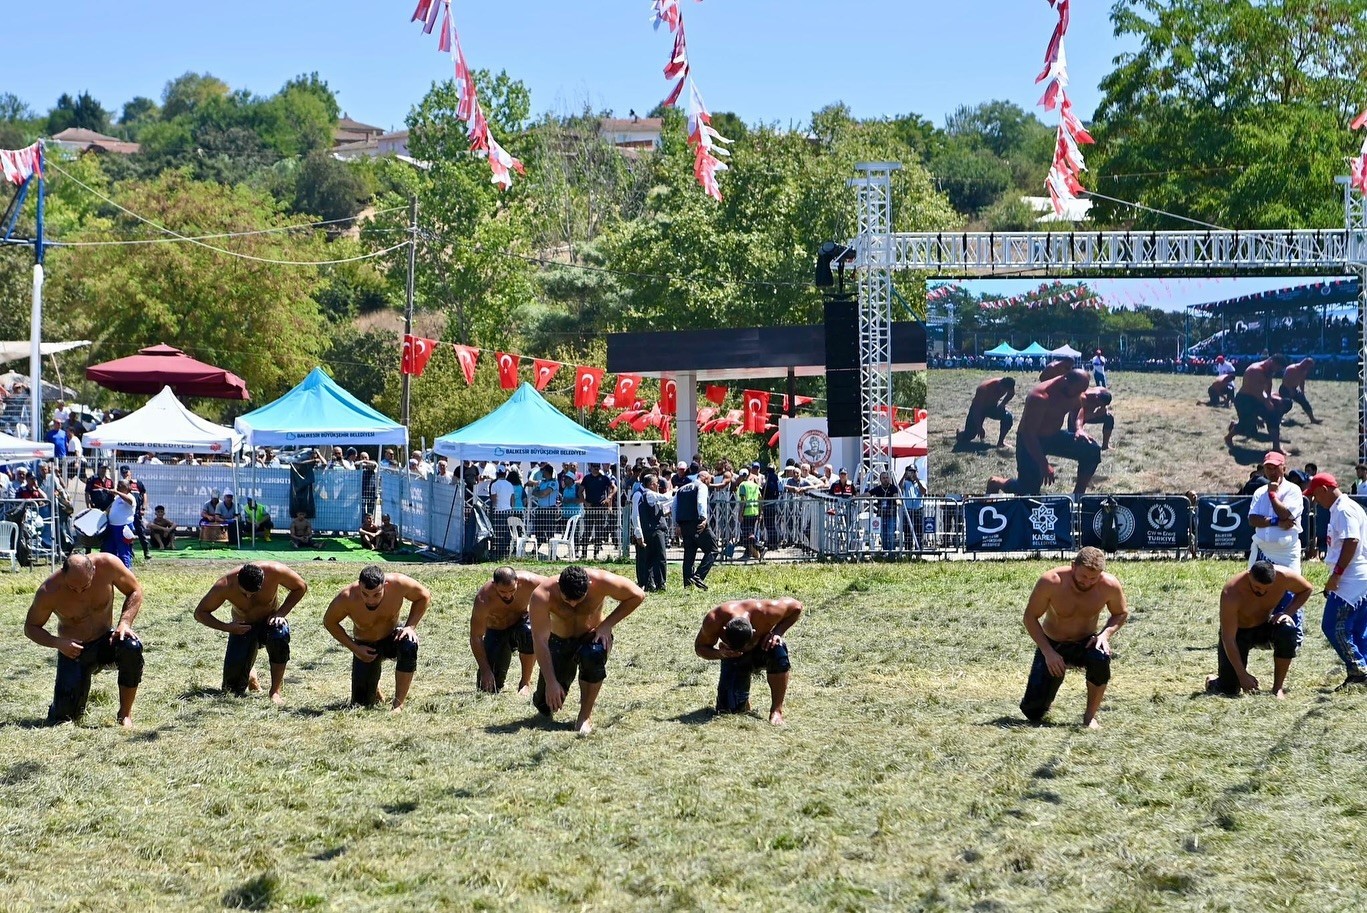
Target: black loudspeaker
(844, 404)
(842, 335)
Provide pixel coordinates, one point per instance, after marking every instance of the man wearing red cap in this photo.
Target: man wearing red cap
(1345, 608)
(1275, 516)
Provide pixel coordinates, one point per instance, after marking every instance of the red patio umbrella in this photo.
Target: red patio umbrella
(166, 366)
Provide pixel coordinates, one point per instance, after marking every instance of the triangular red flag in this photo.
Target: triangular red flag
(773, 441)
(624, 391)
(419, 354)
(756, 410)
(716, 394)
(507, 369)
(586, 381)
(705, 415)
(669, 396)
(467, 356)
(543, 369)
(664, 429)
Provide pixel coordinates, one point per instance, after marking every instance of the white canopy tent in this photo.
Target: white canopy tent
(1066, 351)
(164, 424)
(17, 450)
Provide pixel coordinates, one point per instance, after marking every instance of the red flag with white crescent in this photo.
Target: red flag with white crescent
(705, 415)
(586, 382)
(543, 369)
(625, 390)
(467, 356)
(417, 351)
(716, 394)
(507, 370)
(669, 396)
(756, 410)
(406, 359)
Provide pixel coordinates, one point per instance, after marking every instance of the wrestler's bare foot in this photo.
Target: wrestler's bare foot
(379, 696)
(1092, 723)
(776, 718)
(583, 727)
(1211, 683)
(126, 722)
(524, 690)
(1280, 694)
(277, 699)
(253, 683)
(397, 708)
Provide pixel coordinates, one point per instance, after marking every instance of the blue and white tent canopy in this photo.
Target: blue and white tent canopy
(527, 428)
(319, 412)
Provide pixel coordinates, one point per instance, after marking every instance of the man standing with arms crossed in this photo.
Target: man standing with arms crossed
(373, 604)
(1345, 606)
(572, 636)
(1259, 607)
(747, 635)
(500, 621)
(1061, 618)
(81, 595)
(258, 620)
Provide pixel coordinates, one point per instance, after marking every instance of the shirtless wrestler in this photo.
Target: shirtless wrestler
(747, 636)
(500, 621)
(372, 604)
(258, 620)
(1260, 607)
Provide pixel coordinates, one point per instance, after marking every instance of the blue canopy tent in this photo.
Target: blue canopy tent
(527, 428)
(318, 412)
(1004, 350)
(1035, 350)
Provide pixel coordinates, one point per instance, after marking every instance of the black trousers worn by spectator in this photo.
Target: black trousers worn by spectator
(694, 541)
(657, 541)
(72, 691)
(641, 553)
(140, 530)
(240, 656)
(597, 523)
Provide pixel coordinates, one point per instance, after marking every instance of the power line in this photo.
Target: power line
(229, 234)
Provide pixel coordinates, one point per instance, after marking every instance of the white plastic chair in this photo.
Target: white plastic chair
(522, 545)
(9, 543)
(566, 539)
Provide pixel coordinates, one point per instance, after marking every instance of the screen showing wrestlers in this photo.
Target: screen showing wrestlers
(1139, 386)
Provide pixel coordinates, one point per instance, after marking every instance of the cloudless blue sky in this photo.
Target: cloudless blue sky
(1164, 293)
(770, 61)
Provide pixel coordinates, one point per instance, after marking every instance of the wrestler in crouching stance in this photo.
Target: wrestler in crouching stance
(81, 595)
(258, 620)
(1259, 607)
(373, 604)
(747, 636)
(1061, 618)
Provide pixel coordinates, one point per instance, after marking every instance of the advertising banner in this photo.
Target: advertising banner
(1222, 523)
(1018, 524)
(1136, 522)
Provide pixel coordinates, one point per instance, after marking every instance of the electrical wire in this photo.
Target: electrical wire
(228, 234)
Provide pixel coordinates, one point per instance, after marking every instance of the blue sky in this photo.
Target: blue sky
(770, 61)
(1164, 293)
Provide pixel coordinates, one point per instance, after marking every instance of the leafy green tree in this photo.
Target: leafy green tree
(82, 111)
(973, 179)
(137, 113)
(330, 189)
(187, 92)
(257, 319)
(362, 361)
(299, 119)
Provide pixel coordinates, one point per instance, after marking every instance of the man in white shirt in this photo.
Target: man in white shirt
(1275, 516)
(1345, 607)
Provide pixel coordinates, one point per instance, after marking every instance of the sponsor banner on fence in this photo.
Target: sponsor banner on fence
(1222, 523)
(1018, 524)
(183, 490)
(1138, 522)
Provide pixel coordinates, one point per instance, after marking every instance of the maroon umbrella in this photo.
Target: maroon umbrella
(160, 366)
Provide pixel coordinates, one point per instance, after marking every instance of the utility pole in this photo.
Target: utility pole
(408, 299)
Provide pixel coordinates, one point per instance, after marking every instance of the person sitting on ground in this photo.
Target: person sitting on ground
(301, 532)
(162, 530)
(256, 518)
(208, 512)
(1259, 607)
(388, 539)
(369, 531)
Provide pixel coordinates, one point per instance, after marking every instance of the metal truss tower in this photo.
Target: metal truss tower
(1355, 225)
(873, 260)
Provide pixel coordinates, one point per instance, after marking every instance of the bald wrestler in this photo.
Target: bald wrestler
(1057, 368)
(989, 401)
(747, 636)
(373, 604)
(81, 595)
(258, 620)
(1041, 432)
(1293, 385)
(1254, 403)
(1260, 607)
(1061, 618)
(572, 636)
(499, 621)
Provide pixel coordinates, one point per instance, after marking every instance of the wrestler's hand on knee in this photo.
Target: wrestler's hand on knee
(408, 634)
(276, 621)
(1057, 667)
(71, 649)
(602, 636)
(123, 631)
(1100, 643)
(773, 640)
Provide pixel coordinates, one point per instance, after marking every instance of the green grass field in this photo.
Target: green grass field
(1163, 440)
(905, 780)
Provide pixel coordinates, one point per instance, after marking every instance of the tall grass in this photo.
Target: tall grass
(905, 779)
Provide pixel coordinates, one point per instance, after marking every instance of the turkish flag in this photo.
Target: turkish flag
(669, 396)
(716, 394)
(586, 381)
(628, 415)
(705, 415)
(507, 369)
(625, 390)
(467, 356)
(417, 352)
(756, 410)
(543, 369)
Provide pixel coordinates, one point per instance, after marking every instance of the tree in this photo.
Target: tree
(257, 319)
(300, 118)
(186, 93)
(83, 112)
(1234, 114)
(329, 190)
(973, 179)
(137, 113)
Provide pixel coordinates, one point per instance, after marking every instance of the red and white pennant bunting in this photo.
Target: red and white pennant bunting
(482, 141)
(1064, 182)
(702, 138)
(18, 165)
